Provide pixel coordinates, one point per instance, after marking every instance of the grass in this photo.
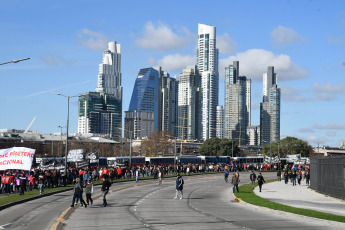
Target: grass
(246, 194)
(35, 193)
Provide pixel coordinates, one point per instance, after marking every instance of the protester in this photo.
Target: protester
(22, 180)
(78, 193)
(105, 189)
(261, 180)
(179, 186)
(235, 181)
(41, 183)
(253, 179)
(89, 191)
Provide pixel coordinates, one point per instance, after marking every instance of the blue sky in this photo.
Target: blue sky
(65, 40)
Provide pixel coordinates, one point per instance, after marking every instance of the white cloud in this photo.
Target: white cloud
(254, 62)
(174, 62)
(331, 134)
(306, 130)
(291, 94)
(162, 38)
(57, 60)
(92, 40)
(316, 140)
(282, 36)
(226, 44)
(327, 91)
(331, 126)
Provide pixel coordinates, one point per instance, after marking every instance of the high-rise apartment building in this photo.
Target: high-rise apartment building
(253, 135)
(220, 122)
(270, 108)
(237, 104)
(188, 104)
(207, 63)
(105, 105)
(99, 114)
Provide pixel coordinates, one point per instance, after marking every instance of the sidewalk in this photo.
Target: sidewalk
(300, 196)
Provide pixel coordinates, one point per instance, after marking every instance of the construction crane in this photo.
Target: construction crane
(27, 129)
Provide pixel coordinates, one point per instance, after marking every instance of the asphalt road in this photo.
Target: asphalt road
(207, 204)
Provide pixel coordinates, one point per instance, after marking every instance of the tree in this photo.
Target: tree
(218, 147)
(157, 142)
(289, 146)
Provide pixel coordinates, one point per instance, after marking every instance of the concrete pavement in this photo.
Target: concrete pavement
(300, 196)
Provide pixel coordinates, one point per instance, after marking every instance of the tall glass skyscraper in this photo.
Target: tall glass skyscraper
(270, 108)
(100, 112)
(237, 104)
(207, 62)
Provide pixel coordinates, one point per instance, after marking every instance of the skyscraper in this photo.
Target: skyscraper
(237, 104)
(188, 104)
(220, 122)
(207, 62)
(100, 112)
(270, 108)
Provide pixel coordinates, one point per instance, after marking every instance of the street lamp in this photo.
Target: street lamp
(130, 146)
(60, 138)
(15, 61)
(66, 151)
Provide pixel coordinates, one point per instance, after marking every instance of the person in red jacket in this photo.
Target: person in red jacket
(105, 171)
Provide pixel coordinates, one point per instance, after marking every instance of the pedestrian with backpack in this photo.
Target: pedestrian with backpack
(179, 186)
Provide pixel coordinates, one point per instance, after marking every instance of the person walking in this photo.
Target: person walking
(136, 175)
(159, 177)
(307, 177)
(252, 178)
(179, 186)
(235, 181)
(226, 175)
(89, 191)
(41, 180)
(22, 179)
(286, 177)
(279, 175)
(261, 180)
(105, 189)
(293, 177)
(78, 189)
(299, 177)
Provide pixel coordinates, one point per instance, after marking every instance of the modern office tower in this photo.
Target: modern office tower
(207, 62)
(145, 97)
(237, 104)
(109, 76)
(270, 109)
(188, 104)
(253, 135)
(167, 102)
(138, 124)
(220, 122)
(99, 114)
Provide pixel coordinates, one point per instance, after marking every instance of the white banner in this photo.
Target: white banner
(75, 155)
(16, 158)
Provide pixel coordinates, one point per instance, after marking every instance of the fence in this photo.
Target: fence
(327, 175)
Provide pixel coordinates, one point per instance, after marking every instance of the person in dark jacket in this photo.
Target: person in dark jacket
(252, 178)
(78, 189)
(286, 177)
(293, 177)
(235, 181)
(261, 180)
(105, 189)
(89, 191)
(279, 175)
(22, 179)
(41, 179)
(179, 186)
(307, 177)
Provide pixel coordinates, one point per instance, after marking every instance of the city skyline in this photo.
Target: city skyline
(306, 51)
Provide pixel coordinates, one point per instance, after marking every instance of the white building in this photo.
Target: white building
(207, 62)
(220, 122)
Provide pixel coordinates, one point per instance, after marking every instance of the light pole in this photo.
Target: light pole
(15, 61)
(60, 138)
(66, 151)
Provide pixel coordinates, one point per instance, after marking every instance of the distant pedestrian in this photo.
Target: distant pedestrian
(307, 177)
(78, 189)
(286, 177)
(105, 189)
(159, 177)
(293, 177)
(179, 186)
(22, 179)
(226, 175)
(253, 178)
(89, 191)
(299, 177)
(261, 180)
(136, 175)
(279, 175)
(235, 181)
(41, 180)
